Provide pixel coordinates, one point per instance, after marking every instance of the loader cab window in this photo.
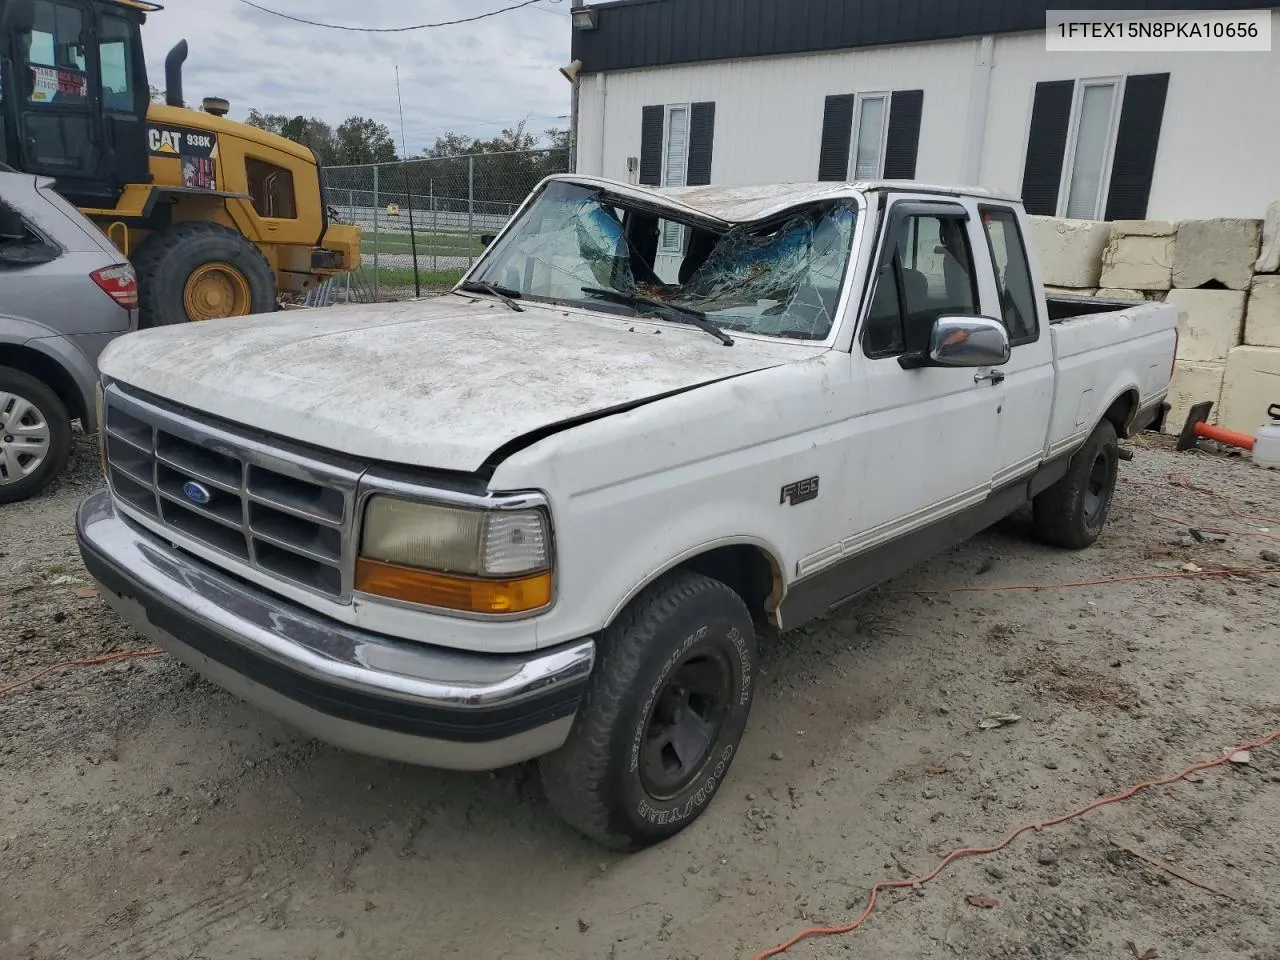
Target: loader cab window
(52, 55)
(117, 55)
(55, 129)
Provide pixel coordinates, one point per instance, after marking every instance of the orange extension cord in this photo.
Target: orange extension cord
(92, 662)
(981, 851)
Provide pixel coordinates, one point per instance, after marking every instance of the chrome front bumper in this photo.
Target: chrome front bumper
(365, 692)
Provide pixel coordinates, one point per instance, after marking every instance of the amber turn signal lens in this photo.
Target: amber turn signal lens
(468, 594)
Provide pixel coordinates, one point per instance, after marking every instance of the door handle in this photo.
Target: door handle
(995, 376)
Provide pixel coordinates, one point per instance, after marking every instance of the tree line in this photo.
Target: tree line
(505, 169)
(360, 140)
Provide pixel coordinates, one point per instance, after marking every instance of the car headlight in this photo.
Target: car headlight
(455, 558)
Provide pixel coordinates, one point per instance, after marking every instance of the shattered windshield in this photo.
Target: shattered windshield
(781, 278)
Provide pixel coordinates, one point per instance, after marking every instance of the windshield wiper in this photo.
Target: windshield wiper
(681, 314)
(505, 294)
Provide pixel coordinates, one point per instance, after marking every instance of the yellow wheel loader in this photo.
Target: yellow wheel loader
(217, 217)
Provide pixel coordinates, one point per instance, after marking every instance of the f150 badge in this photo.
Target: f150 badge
(800, 492)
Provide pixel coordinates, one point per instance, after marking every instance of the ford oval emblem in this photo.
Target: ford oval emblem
(197, 492)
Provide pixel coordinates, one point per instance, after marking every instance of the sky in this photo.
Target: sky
(472, 78)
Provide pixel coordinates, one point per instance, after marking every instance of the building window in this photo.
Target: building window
(872, 113)
(1095, 115)
(870, 136)
(676, 144)
(1092, 145)
(675, 166)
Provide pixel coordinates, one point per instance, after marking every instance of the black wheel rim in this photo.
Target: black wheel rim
(1097, 489)
(686, 722)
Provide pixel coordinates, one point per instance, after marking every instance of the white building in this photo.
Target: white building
(749, 91)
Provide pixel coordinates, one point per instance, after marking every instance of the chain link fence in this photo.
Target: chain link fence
(451, 202)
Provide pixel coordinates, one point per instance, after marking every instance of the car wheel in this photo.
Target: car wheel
(1074, 510)
(662, 718)
(35, 435)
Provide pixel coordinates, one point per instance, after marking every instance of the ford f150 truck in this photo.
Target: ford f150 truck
(548, 514)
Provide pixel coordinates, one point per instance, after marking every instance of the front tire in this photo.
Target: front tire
(201, 271)
(35, 435)
(662, 718)
(1072, 513)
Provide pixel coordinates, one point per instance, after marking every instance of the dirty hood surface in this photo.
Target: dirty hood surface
(438, 383)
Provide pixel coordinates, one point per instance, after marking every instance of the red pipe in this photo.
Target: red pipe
(1222, 435)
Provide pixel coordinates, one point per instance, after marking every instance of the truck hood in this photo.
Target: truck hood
(440, 383)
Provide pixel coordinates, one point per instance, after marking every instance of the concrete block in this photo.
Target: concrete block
(1069, 291)
(1070, 251)
(1109, 294)
(1251, 385)
(1193, 382)
(1216, 250)
(1269, 258)
(1262, 319)
(1142, 228)
(1138, 263)
(1209, 322)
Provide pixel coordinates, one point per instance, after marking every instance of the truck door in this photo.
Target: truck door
(929, 436)
(1026, 390)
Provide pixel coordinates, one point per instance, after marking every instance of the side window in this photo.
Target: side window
(930, 275)
(1013, 275)
(271, 189)
(20, 245)
(116, 55)
(52, 55)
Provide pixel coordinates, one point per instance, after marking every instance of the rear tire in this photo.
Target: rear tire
(35, 435)
(1072, 513)
(662, 717)
(239, 276)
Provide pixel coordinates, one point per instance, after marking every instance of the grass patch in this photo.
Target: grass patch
(430, 279)
(439, 244)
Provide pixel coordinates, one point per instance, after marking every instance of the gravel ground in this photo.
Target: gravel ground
(143, 813)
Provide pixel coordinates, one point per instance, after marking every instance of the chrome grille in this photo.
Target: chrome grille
(285, 512)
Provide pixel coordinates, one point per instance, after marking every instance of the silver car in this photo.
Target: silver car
(65, 292)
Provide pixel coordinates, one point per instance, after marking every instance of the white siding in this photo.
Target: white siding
(769, 111)
(1219, 153)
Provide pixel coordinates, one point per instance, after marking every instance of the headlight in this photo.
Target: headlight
(476, 561)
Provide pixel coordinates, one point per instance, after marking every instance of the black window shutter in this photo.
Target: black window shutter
(837, 136)
(1136, 143)
(1047, 146)
(903, 143)
(702, 134)
(652, 121)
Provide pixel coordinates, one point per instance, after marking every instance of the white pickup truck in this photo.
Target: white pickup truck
(547, 514)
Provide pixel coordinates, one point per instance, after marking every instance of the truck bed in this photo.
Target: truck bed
(1109, 349)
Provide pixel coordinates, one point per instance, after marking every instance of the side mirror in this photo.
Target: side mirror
(487, 238)
(968, 342)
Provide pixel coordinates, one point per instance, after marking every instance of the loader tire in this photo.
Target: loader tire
(201, 271)
(1072, 513)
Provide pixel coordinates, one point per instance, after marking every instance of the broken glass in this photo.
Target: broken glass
(779, 279)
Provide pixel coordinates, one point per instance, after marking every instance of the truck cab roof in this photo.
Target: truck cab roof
(746, 204)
